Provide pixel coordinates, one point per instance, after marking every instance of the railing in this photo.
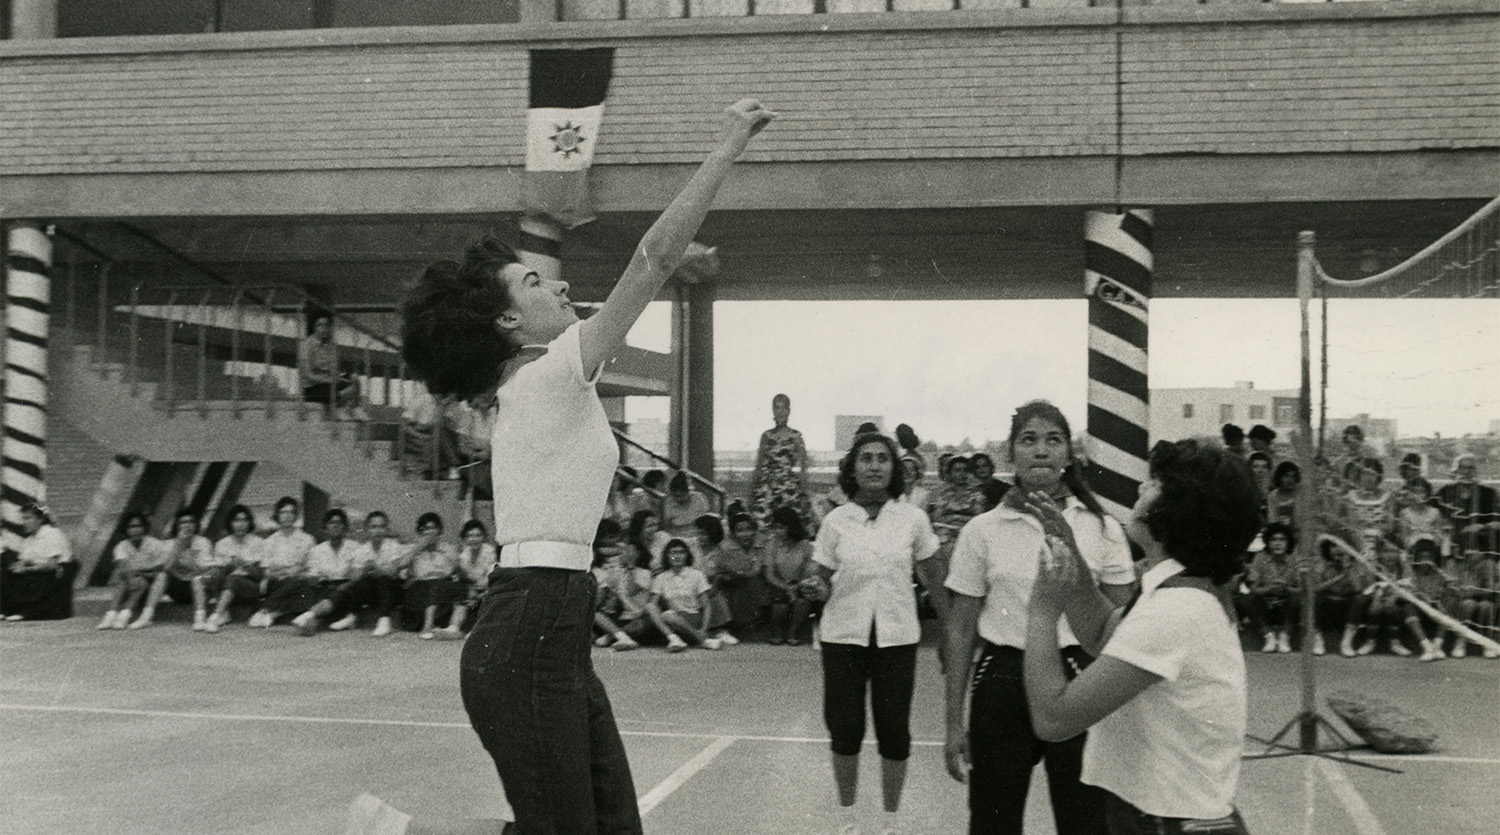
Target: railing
(719, 494)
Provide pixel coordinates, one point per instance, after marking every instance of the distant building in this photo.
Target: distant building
(1380, 433)
(1495, 427)
(1202, 412)
(844, 426)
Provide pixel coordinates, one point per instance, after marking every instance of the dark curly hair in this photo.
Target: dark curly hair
(1283, 529)
(448, 333)
(712, 529)
(788, 517)
(676, 543)
(847, 482)
(1208, 510)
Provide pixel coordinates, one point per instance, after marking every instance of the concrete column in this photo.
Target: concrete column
(33, 19)
(539, 11)
(699, 345)
(28, 289)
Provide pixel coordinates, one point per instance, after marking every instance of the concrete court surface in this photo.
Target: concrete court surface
(166, 731)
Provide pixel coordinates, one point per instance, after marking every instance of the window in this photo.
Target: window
(1284, 411)
(1187, 410)
(1226, 413)
(1257, 413)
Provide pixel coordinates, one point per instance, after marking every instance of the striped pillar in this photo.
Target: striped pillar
(1117, 282)
(540, 245)
(28, 265)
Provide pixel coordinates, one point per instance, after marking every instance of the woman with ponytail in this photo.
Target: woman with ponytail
(489, 325)
(1168, 690)
(995, 561)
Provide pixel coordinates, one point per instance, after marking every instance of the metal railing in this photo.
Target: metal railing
(718, 493)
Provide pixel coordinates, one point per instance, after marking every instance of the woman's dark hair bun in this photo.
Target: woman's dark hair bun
(907, 437)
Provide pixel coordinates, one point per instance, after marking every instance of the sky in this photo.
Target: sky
(957, 369)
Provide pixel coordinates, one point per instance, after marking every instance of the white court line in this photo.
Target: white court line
(1365, 822)
(684, 773)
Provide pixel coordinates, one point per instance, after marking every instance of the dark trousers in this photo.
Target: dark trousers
(37, 595)
(1273, 611)
(889, 674)
(1003, 749)
(1125, 819)
(379, 592)
(532, 696)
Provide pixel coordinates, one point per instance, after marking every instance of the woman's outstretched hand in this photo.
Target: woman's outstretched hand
(744, 119)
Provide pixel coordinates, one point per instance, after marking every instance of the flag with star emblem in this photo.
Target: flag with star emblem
(568, 87)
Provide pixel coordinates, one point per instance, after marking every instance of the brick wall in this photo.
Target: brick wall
(75, 463)
(1021, 83)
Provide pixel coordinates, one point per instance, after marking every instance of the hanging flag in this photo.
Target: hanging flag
(568, 87)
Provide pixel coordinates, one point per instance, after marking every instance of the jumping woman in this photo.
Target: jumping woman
(490, 325)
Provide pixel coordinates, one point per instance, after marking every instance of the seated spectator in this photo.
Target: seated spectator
(436, 581)
(1472, 509)
(1261, 437)
(1420, 519)
(239, 553)
(1387, 609)
(36, 583)
(476, 558)
(322, 381)
(655, 482)
(332, 567)
(1338, 595)
(1281, 502)
(682, 505)
(646, 539)
(917, 494)
(623, 616)
(737, 568)
(284, 562)
(719, 572)
(137, 560)
(985, 480)
(1275, 591)
(1411, 480)
(379, 575)
(1432, 587)
(788, 556)
(1368, 507)
(1475, 597)
(194, 574)
(958, 500)
(626, 496)
(681, 594)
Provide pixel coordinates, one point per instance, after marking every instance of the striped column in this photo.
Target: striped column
(28, 265)
(1117, 282)
(540, 245)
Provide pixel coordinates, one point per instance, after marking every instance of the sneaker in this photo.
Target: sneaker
(14, 618)
(1283, 643)
(602, 641)
(261, 619)
(1489, 652)
(1398, 648)
(200, 620)
(1318, 647)
(1367, 647)
(624, 643)
(728, 639)
(368, 815)
(713, 643)
(306, 623)
(143, 621)
(345, 622)
(675, 644)
(426, 636)
(1460, 649)
(1270, 644)
(122, 619)
(382, 628)
(452, 633)
(108, 622)
(794, 642)
(1437, 651)
(212, 625)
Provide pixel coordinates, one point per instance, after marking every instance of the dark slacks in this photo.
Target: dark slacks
(1125, 819)
(531, 693)
(889, 675)
(1003, 749)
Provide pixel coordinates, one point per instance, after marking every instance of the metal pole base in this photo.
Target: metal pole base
(1312, 720)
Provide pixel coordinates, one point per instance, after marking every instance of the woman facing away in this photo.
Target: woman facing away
(1164, 704)
(489, 324)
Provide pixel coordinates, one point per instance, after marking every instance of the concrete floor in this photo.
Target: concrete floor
(167, 731)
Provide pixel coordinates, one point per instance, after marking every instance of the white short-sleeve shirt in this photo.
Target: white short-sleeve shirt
(681, 590)
(553, 456)
(997, 555)
(872, 562)
(153, 554)
(326, 563)
(1174, 749)
(47, 546)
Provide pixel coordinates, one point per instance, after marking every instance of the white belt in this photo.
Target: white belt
(568, 555)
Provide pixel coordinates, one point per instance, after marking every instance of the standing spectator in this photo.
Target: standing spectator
(435, 581)
(681, 594)
(1355, 452)
(322, 381)
(788, 558)
(36, 583)
(1260, 467)
(683, 504)
(1411, 480)
(1420, 518)
(1261, 437)
(1473, 510)
(1234, 439)
(780, 475)
(194, 572)
(138, 558)
(1165, 703)
(917, 494)
(239, 553)
(958, 500)
(1276, 591)
(867, 551)
(990, 485)
(994, 564)
(327, 583)
(284, 559)
(1281, 502)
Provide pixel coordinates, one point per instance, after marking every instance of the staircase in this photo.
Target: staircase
(170, 400)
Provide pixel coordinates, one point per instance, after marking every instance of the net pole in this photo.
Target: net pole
(1322, 366)
(1307, 725)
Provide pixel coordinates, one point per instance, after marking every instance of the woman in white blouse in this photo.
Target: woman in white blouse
(866, 551)
(488, 324)
(1165, 703)
(37, 581)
